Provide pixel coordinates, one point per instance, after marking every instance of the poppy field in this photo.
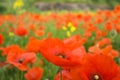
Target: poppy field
(60, 46)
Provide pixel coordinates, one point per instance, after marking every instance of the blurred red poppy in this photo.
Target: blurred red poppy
(34, 73)
(21, 31)
(39, 32)
(21, 60)
(1, 39)
(64, 75)
(103, 42)
(75, 49)
(55, 51)
(95, 67)
(12, 49)
(109, 26)
(33, 45)
(100, 67)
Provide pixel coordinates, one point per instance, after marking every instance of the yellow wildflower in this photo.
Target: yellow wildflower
(69, 29)
(73, 28)
(70, 24)
(68, 33)
(64, 28)
(18, 4)
(11, 34)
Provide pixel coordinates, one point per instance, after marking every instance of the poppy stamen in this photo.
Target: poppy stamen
(96, 77)
(61, 56)
(21, 60)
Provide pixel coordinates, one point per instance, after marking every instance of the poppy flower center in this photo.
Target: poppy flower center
(95, 77)
(21, 60)
(62, 56)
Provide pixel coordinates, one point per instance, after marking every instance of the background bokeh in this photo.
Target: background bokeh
(6, 6)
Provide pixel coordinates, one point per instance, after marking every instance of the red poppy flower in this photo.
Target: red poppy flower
(87, 34)
(91, 27)
(75, 48)
(64, 75)
(34, 74)
(87, 17)
(99, 19)
(107, 13)
(35, 42)
(96, 67)
(94, 49)
(21, 31)
(71, 49)
(32, 27)
(74, 42)
(52, 48)
(103, 42)
(1, 39)
(49, 34)
(108, 26)
(12, 49)
(21, 60)
(117, 9)
(100, 34)
(108, 50)
(117, 28)
(39, 32)
(113, 53)
(100, 67)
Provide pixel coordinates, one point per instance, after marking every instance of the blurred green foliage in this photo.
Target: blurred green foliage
(6, 6)
(2, 6)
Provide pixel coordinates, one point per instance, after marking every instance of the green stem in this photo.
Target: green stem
(20, 75)
(17, 75)
(60, 73)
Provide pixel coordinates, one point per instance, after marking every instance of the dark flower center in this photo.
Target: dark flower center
(62, 56)
(21, 60)
(95, 77)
